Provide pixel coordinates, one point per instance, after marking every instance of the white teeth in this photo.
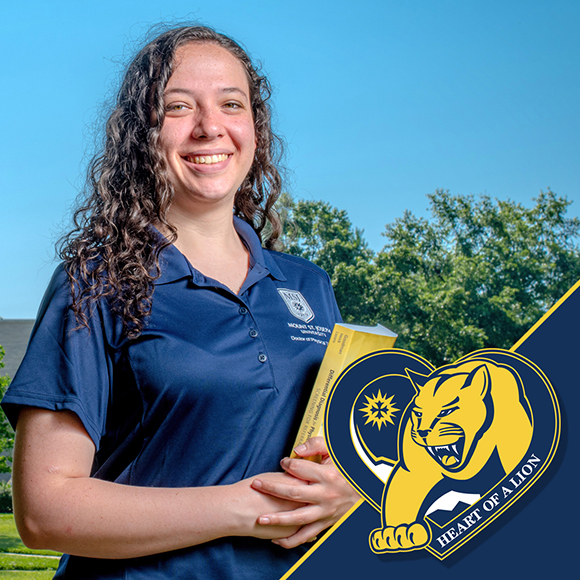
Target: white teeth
(208, 159)
(454, 447)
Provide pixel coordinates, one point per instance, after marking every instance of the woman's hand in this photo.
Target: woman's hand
(326, 497)
(252, 504)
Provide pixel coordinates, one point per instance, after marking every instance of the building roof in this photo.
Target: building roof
(14, 335)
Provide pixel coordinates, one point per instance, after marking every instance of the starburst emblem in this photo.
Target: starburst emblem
(378, 409)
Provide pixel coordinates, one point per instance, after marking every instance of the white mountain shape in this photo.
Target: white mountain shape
(449, 501)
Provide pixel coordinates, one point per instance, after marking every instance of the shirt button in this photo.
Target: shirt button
(262, 358)
(243, 310)
(253, 333)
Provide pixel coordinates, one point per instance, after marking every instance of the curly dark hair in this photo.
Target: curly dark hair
(112, 252)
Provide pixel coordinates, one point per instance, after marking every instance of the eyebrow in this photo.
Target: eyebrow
(224, 90)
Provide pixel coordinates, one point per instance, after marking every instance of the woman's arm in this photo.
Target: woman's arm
(327, 497)
(58, 506)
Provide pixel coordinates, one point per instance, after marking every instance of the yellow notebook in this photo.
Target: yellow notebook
(347, 343)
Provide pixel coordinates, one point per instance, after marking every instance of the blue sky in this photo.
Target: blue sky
(380, 102)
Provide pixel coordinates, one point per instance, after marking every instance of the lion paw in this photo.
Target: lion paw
(399, 538)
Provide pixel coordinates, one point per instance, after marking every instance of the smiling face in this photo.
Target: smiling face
(207, 138)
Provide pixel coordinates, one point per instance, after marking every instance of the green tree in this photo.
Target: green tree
(6, 432)
(325, 235)
(478, 274)
(322, 234)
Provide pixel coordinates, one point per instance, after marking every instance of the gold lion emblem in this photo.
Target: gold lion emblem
(460, 416)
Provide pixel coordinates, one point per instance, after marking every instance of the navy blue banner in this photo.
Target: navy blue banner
(537, 535)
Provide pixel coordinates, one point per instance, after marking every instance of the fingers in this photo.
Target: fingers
(324, 480)
(299, 517)
(308, 470)
(314, 446)
(321, 495)
(296, 493)
(327, 497)
(305, 534)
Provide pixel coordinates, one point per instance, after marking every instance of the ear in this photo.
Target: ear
(479, 379)
(417, 379)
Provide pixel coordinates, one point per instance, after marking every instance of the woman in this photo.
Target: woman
(163, 381)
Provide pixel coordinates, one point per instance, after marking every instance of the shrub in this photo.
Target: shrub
(5, 498)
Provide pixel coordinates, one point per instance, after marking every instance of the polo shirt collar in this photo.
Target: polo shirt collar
(175, 266)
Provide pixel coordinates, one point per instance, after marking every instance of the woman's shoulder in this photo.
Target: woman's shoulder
(56, 313)
(295, 265)
(58, 291)
(61, 286)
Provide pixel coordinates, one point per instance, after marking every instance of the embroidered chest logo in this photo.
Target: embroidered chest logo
(441, 453)
(297, 304)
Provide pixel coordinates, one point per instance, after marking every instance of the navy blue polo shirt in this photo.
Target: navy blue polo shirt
(210, 393)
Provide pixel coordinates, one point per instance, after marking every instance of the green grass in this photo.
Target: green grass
(19, 575)
(16, 567)
(9, 562)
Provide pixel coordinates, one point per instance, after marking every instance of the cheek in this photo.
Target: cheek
(169, 137)
(245, 136)
(164, 145)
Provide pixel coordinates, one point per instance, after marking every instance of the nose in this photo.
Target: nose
(207, 124)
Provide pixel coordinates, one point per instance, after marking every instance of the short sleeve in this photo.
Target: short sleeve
(65, 367)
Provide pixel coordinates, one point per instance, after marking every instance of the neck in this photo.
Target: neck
(210, 242)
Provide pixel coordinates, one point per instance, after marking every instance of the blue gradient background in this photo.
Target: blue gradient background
(381, 102)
